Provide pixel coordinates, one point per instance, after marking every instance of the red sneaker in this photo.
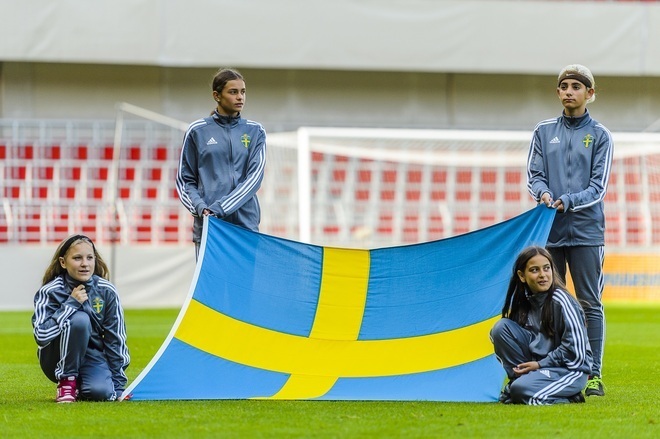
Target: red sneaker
(67, 390)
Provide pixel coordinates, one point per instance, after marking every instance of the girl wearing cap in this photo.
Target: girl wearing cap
(568, 168)
(79, 325)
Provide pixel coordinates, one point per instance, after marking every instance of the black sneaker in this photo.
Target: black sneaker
(577, 398)
(505, 395)
(594, 386)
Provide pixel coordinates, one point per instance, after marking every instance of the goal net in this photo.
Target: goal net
(369, 188)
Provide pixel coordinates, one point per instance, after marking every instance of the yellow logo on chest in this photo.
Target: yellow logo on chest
(97, 304)
(245, 140)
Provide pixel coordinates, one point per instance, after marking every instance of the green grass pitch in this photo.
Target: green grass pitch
(630, 409)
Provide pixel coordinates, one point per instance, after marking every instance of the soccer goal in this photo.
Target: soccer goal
(353, 187)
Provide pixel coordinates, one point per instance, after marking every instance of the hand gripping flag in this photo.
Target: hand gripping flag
(270, 318)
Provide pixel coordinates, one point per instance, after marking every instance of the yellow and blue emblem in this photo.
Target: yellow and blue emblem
(97, 304)
(245, 140)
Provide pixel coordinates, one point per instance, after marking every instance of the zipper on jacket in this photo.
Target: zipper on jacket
(569, 175)
(231, 157)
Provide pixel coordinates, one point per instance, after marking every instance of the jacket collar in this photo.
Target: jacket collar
(72, 283)
(576, 122)
(226, 120)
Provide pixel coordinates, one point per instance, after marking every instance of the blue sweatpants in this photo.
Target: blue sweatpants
(69, 355)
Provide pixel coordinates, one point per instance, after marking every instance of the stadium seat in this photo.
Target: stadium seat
(411, 228)
(438, 185)
(106, 152)
(132, 153)
(363, 181)
(140, 218)
(159, 153)
(40, 192)
(80, 152)
(24, 152)
(168, 227)
(58, 221)
(413, 185)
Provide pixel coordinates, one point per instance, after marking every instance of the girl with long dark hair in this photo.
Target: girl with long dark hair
(541, 339)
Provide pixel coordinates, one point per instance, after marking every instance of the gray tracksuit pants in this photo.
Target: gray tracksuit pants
(550, 385)
(586, 268)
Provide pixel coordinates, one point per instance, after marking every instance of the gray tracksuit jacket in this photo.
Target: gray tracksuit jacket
(221, 168)
(53, 306)
(571, 158)
(569, 347)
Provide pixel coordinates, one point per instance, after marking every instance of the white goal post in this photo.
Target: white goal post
(357, 187)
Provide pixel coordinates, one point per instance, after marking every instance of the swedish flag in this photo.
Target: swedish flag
(272, 318)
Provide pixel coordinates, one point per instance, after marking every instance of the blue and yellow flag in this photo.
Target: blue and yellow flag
(270, 318)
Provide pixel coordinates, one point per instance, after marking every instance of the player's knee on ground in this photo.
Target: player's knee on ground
(97, 390)
(519, 392)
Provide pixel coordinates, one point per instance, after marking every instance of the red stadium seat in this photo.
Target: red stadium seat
(51, 152)
(411, 228)
(72, 173)
(124, 193)
(488, 187)
(149, 193)
(12, 192)
(169, 228)
(24, 152)
(95, 193)
(134, 152)
(80, 152)
(438, 185)
(141, 221)
(67, 192)
(153, 174)
(40, 192)
(385, 224)
(159, 153)
(16, 173)
(107, 152)
(43, 173)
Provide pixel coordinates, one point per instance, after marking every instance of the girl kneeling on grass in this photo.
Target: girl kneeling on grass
(79, 325)
(541, 339)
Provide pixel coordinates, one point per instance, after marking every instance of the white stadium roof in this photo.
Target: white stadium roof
(491, 36)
